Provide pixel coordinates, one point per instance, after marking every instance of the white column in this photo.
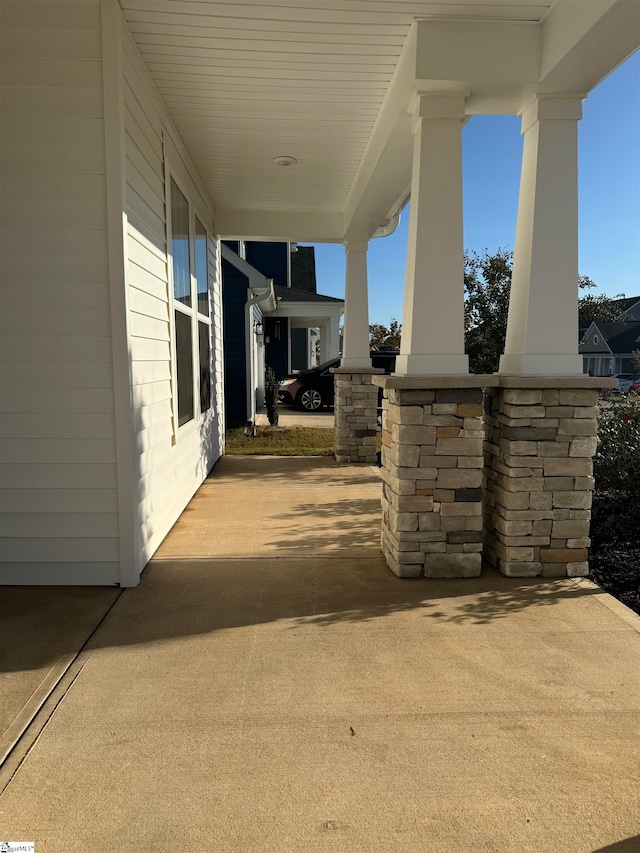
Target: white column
(433, 316)
(355, 346)
(329, 339)
(333, 335)
(324, 341)
(542, 330)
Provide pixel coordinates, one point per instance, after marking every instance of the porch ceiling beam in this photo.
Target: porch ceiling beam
(309, 322)
(312, 312)
(302, 226)
(583, 42)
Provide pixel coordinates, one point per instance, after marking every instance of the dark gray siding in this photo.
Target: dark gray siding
(271, 259)
(234, 298)
(303, 269)
(299, 349)
(277, 345)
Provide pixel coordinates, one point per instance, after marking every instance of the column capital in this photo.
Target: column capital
(356, 245)
(552, 108)
(437, 105)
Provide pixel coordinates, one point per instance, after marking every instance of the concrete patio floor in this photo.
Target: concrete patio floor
(271, 686)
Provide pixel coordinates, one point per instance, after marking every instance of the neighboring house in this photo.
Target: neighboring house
(629, 306)
(272, 317)
(607, 347)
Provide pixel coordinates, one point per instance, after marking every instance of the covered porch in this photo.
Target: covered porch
(284, 691)
(140, 133)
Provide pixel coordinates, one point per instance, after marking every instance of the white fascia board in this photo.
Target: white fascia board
(256, 279)
(583, 42)
(477, 53)
(258, 283)
(301, 226)
(312, 310)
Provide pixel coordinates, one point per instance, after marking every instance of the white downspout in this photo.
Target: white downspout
(388, 228)
(267, 293)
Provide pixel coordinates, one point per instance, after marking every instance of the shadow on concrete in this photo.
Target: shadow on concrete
(344, 524)
(184, 597)
(285, 470)
(315, 563)
(629, 845)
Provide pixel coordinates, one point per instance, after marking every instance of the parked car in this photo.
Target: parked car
(635, 385)
(313, 388)
(625, 381)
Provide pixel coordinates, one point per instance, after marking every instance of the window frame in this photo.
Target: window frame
(194, 213)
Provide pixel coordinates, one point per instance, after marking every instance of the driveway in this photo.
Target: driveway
(290, 416)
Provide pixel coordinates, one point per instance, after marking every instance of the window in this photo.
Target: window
(596, 339)
(192, 314)
(184, 367)
(202, 279)
(204, 346)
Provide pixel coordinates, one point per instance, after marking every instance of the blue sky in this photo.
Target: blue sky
(609, 188)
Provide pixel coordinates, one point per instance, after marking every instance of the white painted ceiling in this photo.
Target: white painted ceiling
(248, 81)
(251, 80)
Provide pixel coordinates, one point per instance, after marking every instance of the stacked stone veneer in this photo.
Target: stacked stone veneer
(538, 479)
(356, 415)
(432, 443)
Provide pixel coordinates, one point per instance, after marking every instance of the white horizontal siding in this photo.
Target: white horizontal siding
(56, 525)
(68, 374)
(52, 573)
(54, 475)
(33, 501)
(59, 498)
(170, 466)
(83, 400)
(29, 451)
(65, 425)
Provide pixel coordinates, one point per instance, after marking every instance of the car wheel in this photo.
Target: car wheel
(310, 399)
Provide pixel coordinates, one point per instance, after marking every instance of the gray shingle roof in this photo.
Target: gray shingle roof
(291, 294)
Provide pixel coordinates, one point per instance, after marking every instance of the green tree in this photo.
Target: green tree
(487, 282)
(600, 307)
(383, 336)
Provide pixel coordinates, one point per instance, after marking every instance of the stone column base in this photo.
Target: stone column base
(540, 437)
(356, 415)
(432, 470)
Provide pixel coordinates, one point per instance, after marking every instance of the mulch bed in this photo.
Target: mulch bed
(614, 559)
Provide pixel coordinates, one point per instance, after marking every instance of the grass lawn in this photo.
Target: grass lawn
(281, 441)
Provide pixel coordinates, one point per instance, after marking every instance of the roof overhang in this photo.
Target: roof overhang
(307, 310)
(332, 84)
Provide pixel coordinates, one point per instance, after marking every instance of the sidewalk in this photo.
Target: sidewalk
(289, 416)
(270, 687)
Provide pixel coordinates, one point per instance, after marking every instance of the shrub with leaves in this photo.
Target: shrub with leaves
(617, 459)
(271, 387)
(616, 467)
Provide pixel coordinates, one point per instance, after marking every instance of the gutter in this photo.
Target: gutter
(260, 296)
(388, 228)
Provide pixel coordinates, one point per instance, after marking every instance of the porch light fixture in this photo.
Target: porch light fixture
(258, 328)
(285, 160)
